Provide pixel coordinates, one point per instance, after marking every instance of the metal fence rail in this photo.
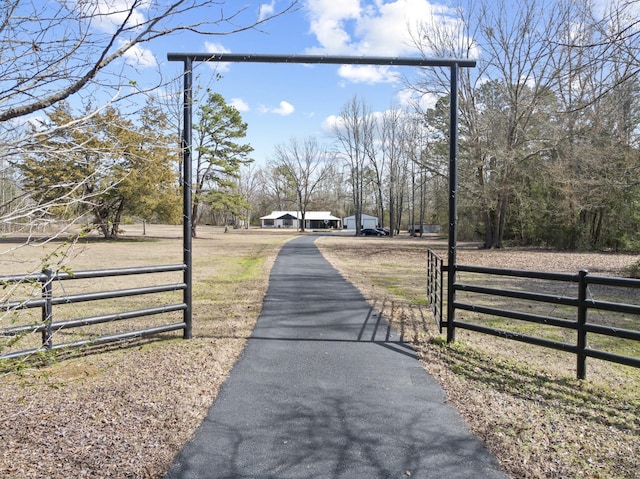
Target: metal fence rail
(47, 327)
(581, 303)
(435, 270)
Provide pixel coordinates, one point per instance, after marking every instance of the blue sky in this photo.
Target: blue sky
(283, 101)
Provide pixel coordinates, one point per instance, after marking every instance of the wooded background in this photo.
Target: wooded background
(548, 151)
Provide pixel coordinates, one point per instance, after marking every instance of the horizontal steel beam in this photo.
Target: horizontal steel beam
(104, 273)
(518, 273)
(531, 318)
(83, 297)
(322, 59)
(508, 293)
(101, 273)
(517, 337)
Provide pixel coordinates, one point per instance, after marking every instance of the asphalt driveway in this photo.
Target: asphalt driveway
(325, 389)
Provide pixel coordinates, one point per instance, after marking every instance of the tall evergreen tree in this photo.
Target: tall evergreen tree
(218, 155)
(104, 166)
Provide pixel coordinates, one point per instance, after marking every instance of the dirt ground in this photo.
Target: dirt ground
(124, 411)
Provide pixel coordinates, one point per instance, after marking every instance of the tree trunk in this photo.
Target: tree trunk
(392, 216)
(302, 210)
(502, 219)
(194, 216)
(488, 231)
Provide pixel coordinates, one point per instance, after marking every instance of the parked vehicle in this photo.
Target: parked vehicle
(371, 232)
(384, 231)
(424, 228)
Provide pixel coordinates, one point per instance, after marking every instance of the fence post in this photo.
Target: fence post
(453, 203)
(581, 357)
(441, 270)
(47, 309)
(187, 197)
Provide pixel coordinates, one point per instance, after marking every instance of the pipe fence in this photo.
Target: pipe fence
(48, 300)
(435, 282)
(621, 319)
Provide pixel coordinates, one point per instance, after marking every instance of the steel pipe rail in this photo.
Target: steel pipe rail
(319, 59)
(48, 300)
(100, 340)
(583, 304)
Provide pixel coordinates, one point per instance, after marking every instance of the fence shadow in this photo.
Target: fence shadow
(569, 395)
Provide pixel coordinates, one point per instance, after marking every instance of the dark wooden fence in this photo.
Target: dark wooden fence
(478, 298)
(47, 301)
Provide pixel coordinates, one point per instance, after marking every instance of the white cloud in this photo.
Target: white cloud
(330, 124)
(368, 74)
(37, 122)
(411, 99)
(327, 23)
(139, 57)
(211, 47)
(370, 28)
(377, 28)
(385, 30)
(239, 104)
(266, 9)
(108, 15)
(284, 109)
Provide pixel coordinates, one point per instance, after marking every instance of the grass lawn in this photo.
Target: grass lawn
(522, 400)
(125, 410)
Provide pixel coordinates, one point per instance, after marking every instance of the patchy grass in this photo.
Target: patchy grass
(523, 401)
(125, 410)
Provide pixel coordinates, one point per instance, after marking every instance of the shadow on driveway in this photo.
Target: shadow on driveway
(326, 389)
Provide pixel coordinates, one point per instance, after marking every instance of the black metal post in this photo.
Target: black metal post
(47, 309)
(453, 202)
(581, 366)
(187, 180)
(440, 270)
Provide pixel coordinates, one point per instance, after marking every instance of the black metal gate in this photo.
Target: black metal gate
(435, 281)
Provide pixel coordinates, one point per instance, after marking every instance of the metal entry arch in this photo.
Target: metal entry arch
(189, 58)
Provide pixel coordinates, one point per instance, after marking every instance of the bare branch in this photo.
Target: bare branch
(51, 51)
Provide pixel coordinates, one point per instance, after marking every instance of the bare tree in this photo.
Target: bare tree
(502, 99)
(353, 133)
(595, 170)
(88, 52)
(278, 193)
(52, 50)
(392, 149)
(378, 163)
(248, 185)
(415, 148)
(304, 166)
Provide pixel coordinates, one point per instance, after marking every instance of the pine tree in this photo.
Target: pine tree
(104, 166)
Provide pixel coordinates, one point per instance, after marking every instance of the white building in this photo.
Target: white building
(367, 221)
(292, 219)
